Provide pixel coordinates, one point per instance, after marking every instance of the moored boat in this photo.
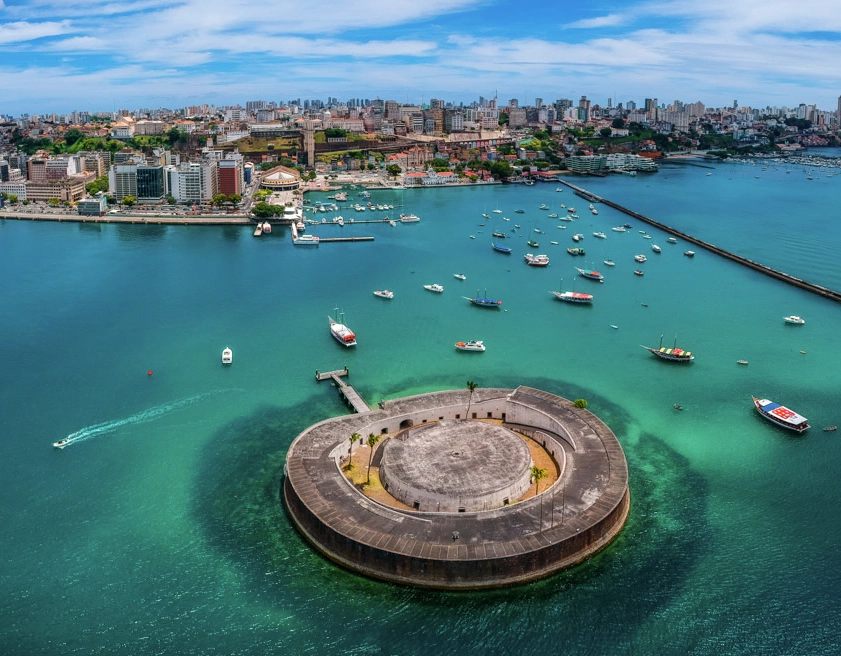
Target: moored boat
(471, 345)
(306, 240)
(794, 320)
(484, 301)
(575, 251)
(600, 235)
(689, 253)
(673, 354)
(499, 248)
(655, 248)
(409, 218)
(460, 276)
(537, 260)
(573, 296)
(592, 274)
(340, 331)
(267, 228)
(620, 229)
(533, 243)
(640, 258)
(637, 272)
(384, 293)
(227, 356)
(434, 287)
(609, 262)
(780, 415)
(258, 231)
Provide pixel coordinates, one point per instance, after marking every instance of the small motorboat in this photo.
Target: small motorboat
(640, 258)
(610, 262)
(689, 253)
(672, 240)
(384, 293)
(267, 228)
(655, 248)
(62, 443)
(677, 407)
(434, 287)
(472, 345)
(830, 428)
(637, 272)
(227, 356)
(794, 319)
(460, 276)
(741, 362)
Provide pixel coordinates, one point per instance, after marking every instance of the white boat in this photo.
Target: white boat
(672, 240)
(554, 243)
(384, 293)
(300, 226)
(594, 211)
(780, 415)
(619, 229)
(646, 236)
(794, 319)
(553, 216)
(340, 331)
(655, 248)
(267, 227)
(559, 189)
(640, 258)
(460, 276)
(610, 262)
(227, 356)
(340, 220)
(497, 211)
(62, 443)
(600, 235)
(409, 218)
(689, 253)
(434, 287)
(592, 207)
(472, 345)
(306, 240)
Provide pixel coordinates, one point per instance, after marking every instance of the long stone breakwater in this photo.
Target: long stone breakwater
(756, 266)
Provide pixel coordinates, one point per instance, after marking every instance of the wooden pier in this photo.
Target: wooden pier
(349, 395)
(827, 293)
(321, 240)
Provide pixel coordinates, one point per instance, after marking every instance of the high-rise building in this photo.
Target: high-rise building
(231, 174)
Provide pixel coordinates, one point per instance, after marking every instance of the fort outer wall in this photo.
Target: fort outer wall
(524, 541)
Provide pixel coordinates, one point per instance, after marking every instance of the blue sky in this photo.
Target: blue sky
(61, 55)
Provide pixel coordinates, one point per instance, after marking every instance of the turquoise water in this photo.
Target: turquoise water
(159, 531)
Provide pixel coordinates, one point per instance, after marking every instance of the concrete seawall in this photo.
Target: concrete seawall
(756, 266)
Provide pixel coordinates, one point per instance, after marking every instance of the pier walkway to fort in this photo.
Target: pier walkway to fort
(756, 266)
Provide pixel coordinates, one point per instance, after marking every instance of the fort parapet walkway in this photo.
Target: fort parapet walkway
(756, 266)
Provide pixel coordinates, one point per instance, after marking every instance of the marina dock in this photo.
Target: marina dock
(756, 266)
(349, 395)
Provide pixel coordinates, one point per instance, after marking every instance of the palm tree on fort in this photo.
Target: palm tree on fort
(356, 437)
(470, 386)
(371, 442)
(536, 474)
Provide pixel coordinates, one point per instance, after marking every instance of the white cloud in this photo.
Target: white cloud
(611, 20)
(22, 31)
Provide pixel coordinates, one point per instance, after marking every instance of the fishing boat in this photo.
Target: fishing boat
(830, 428)
(62, 443)
(592, 274)
(472, 345)
(537, 260)
(460, 276)
(794, 320)
(575, 251)
(434, 287)
(384, 293)
(573, 296)
(340, 331)
(499, 248)
(673, 354)
(780, 415)
(227, 356)
(484, 301)
(499, 235)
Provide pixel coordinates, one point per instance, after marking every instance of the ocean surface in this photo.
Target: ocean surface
(159, 529)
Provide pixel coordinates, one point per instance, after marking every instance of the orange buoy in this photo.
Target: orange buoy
(149, 373)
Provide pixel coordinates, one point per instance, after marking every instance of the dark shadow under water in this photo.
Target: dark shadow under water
(596, 607)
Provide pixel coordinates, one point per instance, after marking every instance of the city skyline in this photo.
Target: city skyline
(59, 57)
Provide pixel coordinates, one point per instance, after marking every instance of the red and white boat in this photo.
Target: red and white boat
(341, 332)
(537, 260)
(780, 415)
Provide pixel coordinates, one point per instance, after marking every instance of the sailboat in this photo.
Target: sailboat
(573, 296)
(673, 354)
(484, 301)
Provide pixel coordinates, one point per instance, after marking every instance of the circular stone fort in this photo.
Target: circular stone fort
(461, 490)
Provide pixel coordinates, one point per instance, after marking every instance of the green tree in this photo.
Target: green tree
(536, 474)
(354, 438)
(171, 200)
(129, 201)
(100, 184)
(580, 403)
(219, 200)
(618, 123)
(53, 202)
(174, 135)
(13, 199)
(501, 170)
(470, 387)
(371, 442)
(393, 170)
(605, 132)
(235, 199)
(72, 136)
